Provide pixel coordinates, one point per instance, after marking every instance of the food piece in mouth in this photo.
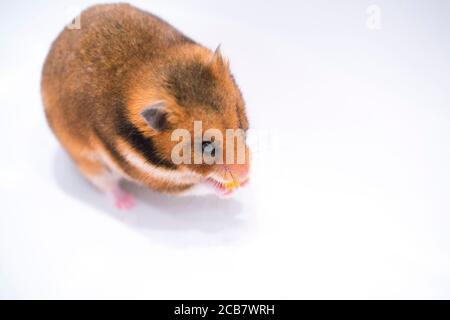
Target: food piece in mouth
(230, 185)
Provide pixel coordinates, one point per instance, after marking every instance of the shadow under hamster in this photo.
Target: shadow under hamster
(155, 213)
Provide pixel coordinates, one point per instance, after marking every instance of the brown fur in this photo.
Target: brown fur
(97, 80)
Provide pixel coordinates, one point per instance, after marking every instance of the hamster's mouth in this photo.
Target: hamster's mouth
(225, 188)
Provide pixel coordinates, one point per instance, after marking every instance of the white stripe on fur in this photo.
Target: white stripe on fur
(139, 162)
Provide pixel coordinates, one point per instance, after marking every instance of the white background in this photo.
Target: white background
(351, 180)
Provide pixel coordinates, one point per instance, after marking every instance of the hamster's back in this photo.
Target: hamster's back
(88, 69)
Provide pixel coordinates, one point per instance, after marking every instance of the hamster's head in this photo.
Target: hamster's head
(194, 114)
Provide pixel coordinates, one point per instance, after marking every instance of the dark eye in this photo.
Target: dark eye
(208, 147)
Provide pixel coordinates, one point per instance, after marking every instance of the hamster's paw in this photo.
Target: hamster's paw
(123, 200)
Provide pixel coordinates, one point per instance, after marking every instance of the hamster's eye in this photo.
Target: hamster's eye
(208, 146)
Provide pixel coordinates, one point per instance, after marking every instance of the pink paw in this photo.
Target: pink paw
(123, 200)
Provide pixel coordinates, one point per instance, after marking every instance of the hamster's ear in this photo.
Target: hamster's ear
(218, 58)
(156, 116)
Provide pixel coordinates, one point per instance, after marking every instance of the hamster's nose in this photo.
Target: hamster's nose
(239, 172)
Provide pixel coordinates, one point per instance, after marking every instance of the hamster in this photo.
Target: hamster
(115, 90)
